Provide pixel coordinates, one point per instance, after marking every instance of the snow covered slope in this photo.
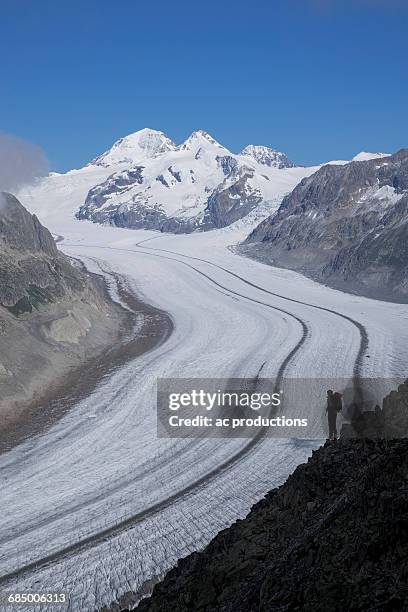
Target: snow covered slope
(362, 156)
(365, 156)
(141, 145)
(267, 156)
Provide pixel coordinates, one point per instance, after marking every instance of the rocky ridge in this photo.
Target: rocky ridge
(32, 271)
(346, 225)
(53, 314)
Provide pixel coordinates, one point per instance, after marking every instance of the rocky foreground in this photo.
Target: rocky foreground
(333, 537)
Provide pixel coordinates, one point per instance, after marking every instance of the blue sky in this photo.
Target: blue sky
(318, 79)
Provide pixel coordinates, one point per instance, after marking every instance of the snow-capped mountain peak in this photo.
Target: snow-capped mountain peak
(267, 156)
(198, 185)
(136, 147)
(203, 140)
(366, 156)
(147, 181)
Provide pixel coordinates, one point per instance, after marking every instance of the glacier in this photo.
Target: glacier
(97, 505)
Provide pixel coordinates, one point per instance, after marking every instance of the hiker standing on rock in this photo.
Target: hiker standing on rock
(334, 405)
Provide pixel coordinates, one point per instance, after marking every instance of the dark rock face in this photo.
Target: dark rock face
(178, 225)
(334, 537)
(98, 196)
(32, 271)
(21, 231)
(135, 218)
(344, 225)
(228, 164)
(232, 201)
(162, 180)
(175, 174)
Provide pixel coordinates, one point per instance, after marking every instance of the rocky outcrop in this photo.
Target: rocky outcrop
(21, 231)
(333, 537)
(53, 314)
(232, 200)
(346, 225)
(97, 198)
(32, 271)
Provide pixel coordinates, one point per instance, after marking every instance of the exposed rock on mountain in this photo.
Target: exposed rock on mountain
(346, 225)
(52, 313)
(232, 199)
(333, 537)
(31, 269)
(199, 185)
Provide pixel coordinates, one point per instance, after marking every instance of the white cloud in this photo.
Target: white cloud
(21, 163)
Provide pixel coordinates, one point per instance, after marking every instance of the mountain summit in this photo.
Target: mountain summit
(143, 144)
(201, 139)
(268, 157)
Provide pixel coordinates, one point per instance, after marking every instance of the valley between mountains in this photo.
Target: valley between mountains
(96, 505)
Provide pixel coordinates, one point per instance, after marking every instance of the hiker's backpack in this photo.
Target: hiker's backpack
(337, 401)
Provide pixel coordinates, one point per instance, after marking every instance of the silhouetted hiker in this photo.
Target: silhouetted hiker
(334, 405)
